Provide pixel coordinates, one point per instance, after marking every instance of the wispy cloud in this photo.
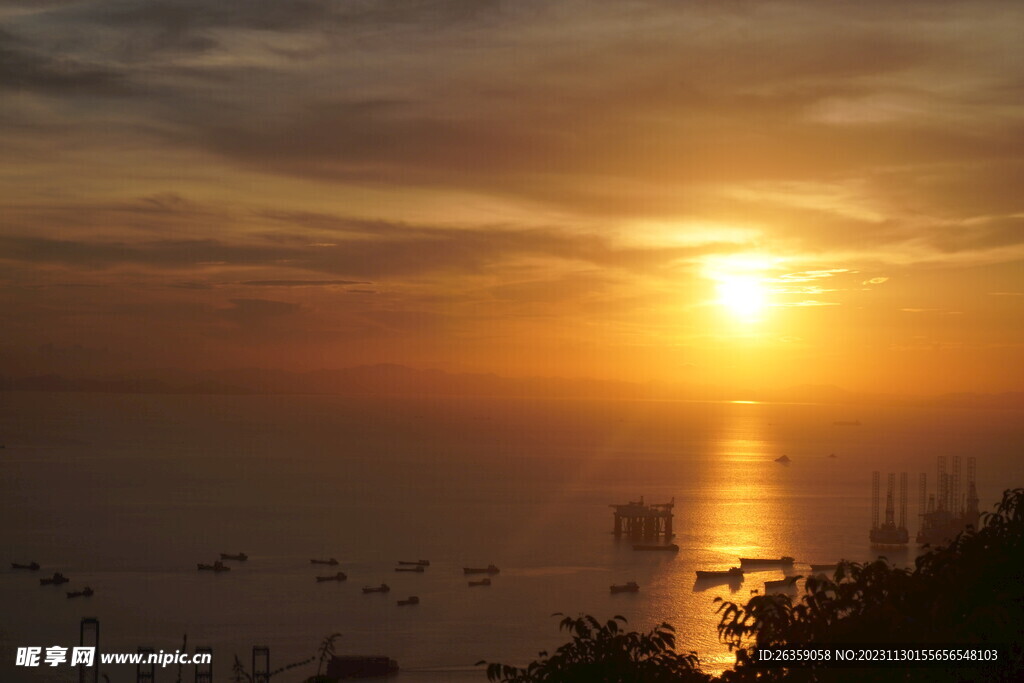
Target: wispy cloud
(518, 166)
(301, 283)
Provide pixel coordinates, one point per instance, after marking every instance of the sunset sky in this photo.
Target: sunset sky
(737, 194)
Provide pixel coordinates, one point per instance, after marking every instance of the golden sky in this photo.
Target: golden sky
(738, 194)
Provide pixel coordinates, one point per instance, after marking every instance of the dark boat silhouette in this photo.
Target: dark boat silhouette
(411, 600)
(340, 576)
(733, 573)
(481, 582)
(747, 562)
(54, 580)
(783, 459)
(383, 588)
(422, 563)
(489, 569)
(32, 566)
(240, 557)
(670, 547)
(346, 667)
(331, 562)
(417, 569)
(84, 593)
(217, 566)
(631, 587)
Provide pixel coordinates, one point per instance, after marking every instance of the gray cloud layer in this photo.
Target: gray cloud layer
(624, 110)
(210, 150)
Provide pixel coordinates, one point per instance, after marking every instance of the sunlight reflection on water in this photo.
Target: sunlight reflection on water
(128, 493)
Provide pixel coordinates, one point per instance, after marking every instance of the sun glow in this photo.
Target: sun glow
(744, 296)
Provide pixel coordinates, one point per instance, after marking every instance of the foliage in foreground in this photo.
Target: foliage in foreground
(606, 652)
(969, 593)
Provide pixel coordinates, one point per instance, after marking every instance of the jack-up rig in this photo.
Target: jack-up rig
(890, 533)
(948, 511)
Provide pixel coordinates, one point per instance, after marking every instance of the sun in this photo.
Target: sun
(744, 296)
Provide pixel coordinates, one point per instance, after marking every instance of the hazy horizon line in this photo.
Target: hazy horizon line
(397, 380)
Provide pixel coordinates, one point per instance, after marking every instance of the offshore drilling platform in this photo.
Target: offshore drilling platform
(949, 510)
(943, 514)
(638, 520)
(890, 533)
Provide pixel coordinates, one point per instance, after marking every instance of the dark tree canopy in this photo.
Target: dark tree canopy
(606, 653)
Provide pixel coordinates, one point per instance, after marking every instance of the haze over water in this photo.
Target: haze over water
(126, 493)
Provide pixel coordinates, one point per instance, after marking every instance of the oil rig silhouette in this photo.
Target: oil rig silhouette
(948, 511)
(637, 520)
(943, 514)
(890, 533)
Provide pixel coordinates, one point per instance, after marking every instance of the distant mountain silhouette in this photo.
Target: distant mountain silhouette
(117, 385)
(364, 380)
(1009, 399)
(390, 379)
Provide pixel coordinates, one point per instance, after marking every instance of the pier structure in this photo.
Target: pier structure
(260, 664)
(145, 670)
(204, 671)
(639, 520)
(893, 532)
(89, 636)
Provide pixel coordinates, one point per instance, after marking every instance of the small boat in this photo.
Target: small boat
(766, 562)
(84, 593)
(418, 569)
(340, 576)
(489, 569)
(54, 580)
(411, 600)
(32, 566)
(422, 563)
(784, 459)
(831, 455)
(383, 588)
(345, 667)
(217, 566)
(331, 562)
(631, 587)
(240, 557)
(824, 567)
(734, 573)
(481, 582)
(671, 547)
(787, 582)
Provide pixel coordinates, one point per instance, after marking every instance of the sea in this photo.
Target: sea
(127, 493)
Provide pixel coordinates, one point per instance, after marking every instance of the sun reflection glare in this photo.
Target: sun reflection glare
(741, 284)
(744, 296)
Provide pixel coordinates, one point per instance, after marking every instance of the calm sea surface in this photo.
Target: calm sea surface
(127, 493)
